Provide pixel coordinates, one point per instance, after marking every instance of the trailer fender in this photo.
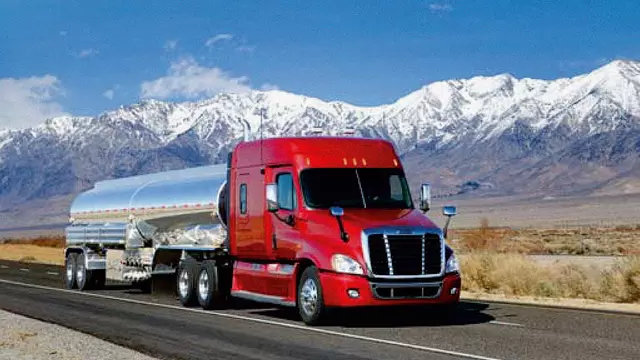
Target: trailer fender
(92, 261)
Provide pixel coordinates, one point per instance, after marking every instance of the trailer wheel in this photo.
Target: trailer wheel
(70, 271)
(310, 300)
(84, 277)
(186, 282)
(210, 292)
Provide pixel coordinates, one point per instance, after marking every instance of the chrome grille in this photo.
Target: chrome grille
(415, 254)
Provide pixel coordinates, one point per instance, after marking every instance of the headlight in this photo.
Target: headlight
(344, 264)
(452, 264)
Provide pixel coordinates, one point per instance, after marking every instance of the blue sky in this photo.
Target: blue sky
(85, 57)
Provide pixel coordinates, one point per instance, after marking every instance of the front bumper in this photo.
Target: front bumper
(339, 291)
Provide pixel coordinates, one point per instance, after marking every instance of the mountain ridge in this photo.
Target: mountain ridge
(485, 135)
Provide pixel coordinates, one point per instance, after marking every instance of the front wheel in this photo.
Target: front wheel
(310, 300)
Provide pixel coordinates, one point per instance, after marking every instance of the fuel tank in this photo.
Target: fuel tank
(155, 207)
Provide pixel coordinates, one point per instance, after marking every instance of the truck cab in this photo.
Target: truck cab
(328, 222)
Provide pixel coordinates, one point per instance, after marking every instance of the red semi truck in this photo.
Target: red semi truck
(308, 222)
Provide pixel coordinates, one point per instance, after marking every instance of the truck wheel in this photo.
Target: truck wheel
(310, 300)
(186, 282)
(84, 277)
(210, 294)
(70, 271)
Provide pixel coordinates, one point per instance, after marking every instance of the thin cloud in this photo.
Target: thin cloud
(88, 52)
(63, 33)
(218, 38)
(246, 48)
(170, 45)
(188, 79)
(109, 94)
(440, 7)
(27, 102)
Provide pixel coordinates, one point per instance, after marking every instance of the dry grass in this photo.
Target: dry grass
(32, 253)
(514, 274)
(561, 241)
(42, 241)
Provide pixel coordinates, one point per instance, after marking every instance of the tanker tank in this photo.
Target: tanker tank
(167, 208)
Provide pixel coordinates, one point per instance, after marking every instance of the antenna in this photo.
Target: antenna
(261, 137)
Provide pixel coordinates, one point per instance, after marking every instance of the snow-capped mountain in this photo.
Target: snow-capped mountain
(497, 132)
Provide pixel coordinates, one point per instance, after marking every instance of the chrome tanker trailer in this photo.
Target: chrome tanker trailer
(132, 228)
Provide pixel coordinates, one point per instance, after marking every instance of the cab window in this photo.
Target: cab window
(243, 199)
(286, 193)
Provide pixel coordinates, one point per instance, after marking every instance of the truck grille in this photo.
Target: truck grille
(405, 255)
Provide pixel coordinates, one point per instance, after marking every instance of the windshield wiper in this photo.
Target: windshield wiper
(364, 202)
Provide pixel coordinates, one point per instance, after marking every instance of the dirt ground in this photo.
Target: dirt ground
(522, 212)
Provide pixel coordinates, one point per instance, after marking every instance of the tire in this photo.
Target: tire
(186, 282)
(84, 277)
(310, 300)
(210, 288)
(70, 271)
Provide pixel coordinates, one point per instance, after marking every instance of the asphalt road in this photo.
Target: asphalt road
(159, 326)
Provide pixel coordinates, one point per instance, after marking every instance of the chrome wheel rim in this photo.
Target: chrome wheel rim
(183, 283)
(203, 285)
(309, 298)
(80, 270)
(69, 270)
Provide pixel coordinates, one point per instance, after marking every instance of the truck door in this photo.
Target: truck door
(284, 237)
(248, 219)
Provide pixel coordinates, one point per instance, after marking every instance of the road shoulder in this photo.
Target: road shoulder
(25, 338)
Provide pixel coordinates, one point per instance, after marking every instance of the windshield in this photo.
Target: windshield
(355, 188)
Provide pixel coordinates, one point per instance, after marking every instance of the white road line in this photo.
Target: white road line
(263, 321)
(52, 273)
(25, 270)
(4, 267)
(496, 322)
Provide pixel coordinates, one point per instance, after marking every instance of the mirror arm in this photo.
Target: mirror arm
(343, 235)
(446, 227)
(289, 220)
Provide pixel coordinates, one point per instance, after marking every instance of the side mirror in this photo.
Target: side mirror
(272, 197)
(336, 211)
(449, 211)
(425, 197)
